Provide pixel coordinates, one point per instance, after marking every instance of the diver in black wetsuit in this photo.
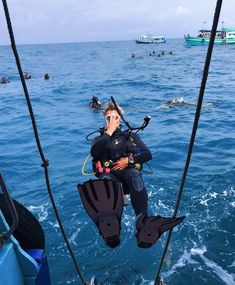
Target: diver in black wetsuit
(46, 76)
(4, 80)
(95, 99)
(119, 155)
(95, 103)
(125, 153)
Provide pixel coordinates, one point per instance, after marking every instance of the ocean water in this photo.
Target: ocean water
(202, 247)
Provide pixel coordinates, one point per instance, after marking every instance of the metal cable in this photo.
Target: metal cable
(45, 162)
(194, 129)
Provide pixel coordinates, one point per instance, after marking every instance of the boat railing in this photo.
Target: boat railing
(15, 219)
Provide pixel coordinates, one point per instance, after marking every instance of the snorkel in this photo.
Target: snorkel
(129, 127)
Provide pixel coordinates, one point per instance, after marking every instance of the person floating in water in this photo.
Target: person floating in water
(27, 76)
(95, 103)
(124, 153)
(177, 103)
(46, 76)
(4, 80)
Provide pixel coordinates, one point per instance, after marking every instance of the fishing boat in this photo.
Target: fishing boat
(150, 39)
(224, 36)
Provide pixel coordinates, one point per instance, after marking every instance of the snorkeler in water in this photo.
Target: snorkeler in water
(27, 76)
(46, 76)
(4, 80)
(95, 103)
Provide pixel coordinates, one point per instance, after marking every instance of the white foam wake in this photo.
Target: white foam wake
(41, 211)
(74, 236)
(187, 258)
(218, 270)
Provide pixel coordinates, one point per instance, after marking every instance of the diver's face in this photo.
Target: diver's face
(113, 117)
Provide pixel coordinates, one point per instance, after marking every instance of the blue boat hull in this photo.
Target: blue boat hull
(197, 41)
(18, 267)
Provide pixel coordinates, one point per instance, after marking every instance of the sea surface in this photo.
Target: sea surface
(202, 247)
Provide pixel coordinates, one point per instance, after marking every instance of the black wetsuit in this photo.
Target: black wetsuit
(95, 100)
(122, 144)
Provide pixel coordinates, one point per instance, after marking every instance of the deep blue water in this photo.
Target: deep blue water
(202, 248)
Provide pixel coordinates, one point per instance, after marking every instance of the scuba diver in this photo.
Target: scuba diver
(118, 157)
(118, 149)
(46, 76)
(95, 103)
(4, 80)
(27, 75)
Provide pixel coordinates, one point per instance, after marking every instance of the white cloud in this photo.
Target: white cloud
(182, 10)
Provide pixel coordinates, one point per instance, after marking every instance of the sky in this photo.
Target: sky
(58, 21)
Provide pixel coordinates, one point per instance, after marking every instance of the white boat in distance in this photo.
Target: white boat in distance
(150, 39)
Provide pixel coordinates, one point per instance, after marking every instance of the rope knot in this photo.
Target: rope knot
(45, 163)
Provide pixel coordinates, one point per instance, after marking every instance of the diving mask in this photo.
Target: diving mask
(109, 116)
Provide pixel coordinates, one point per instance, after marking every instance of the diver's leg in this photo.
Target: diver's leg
(139, 196)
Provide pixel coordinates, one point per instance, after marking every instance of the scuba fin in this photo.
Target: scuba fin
(149, 229)
(103, 201)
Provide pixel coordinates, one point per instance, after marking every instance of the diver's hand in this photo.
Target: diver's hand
(112, 124)
(121, 164)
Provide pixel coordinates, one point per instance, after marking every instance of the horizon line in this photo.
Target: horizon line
(78, 42)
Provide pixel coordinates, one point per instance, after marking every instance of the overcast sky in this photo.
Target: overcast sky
(53, 21)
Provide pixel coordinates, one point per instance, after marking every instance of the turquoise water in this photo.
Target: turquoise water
(202, 248)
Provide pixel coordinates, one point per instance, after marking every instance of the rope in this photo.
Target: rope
(84, 165)
(45, 162)
(194, 130)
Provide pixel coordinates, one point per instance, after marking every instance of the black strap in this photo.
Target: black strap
(120, 113)
(194, 129)
(45, 162)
